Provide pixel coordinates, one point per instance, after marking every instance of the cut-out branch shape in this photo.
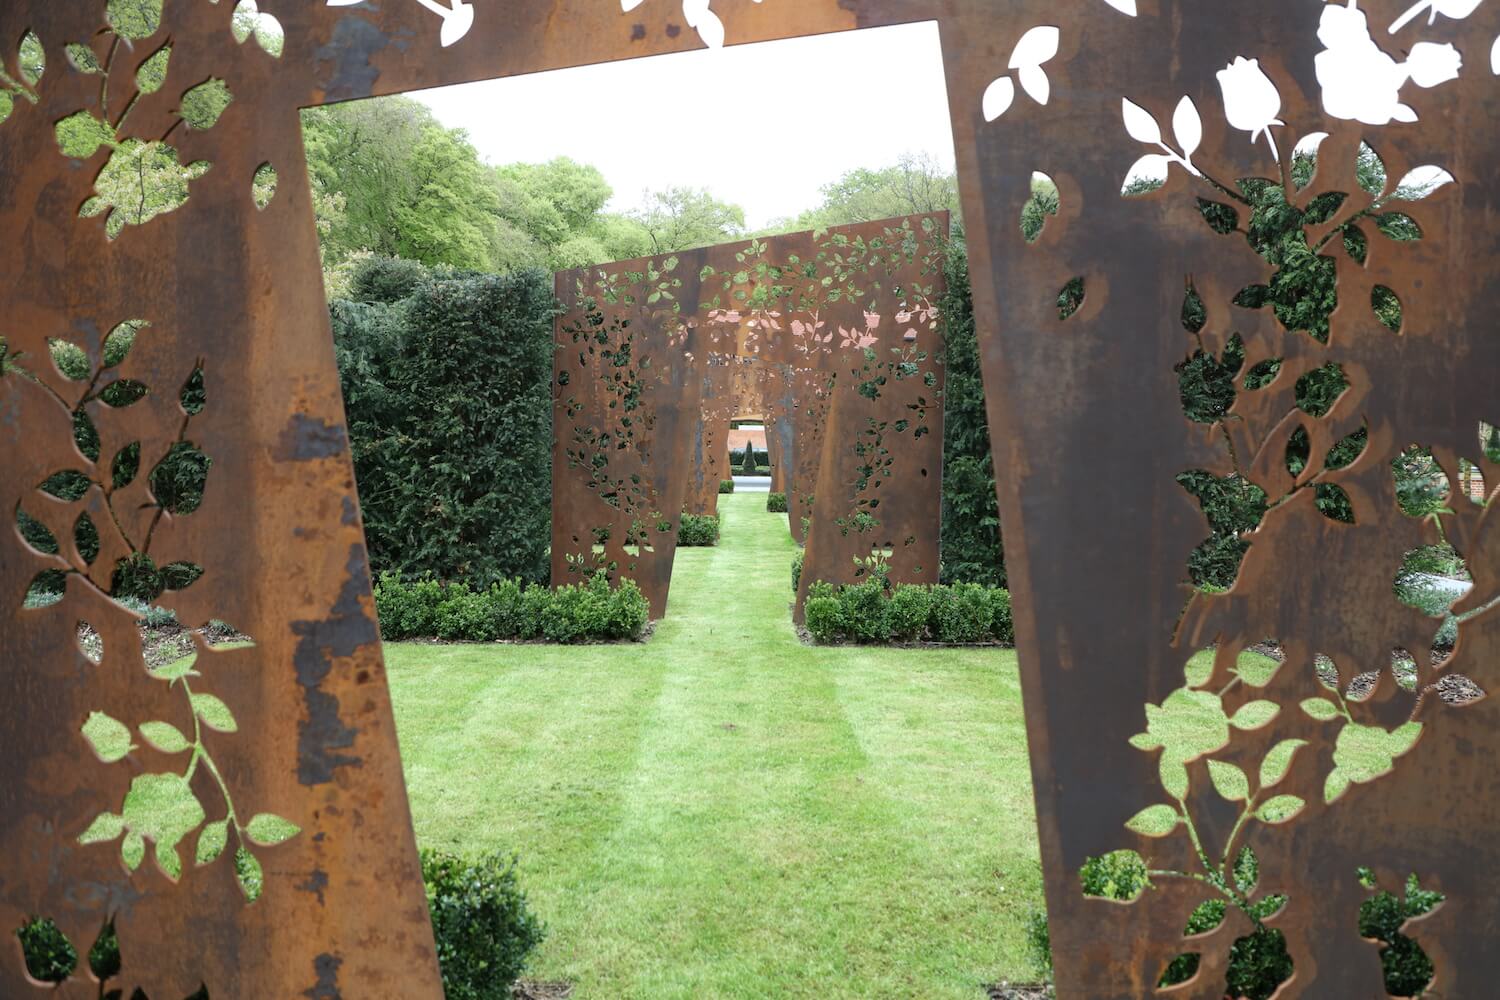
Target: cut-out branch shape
(1036, 48)
(457, 15)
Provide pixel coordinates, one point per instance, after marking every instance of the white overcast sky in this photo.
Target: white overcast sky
(763, 126)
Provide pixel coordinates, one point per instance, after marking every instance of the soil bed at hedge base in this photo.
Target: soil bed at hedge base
(529, 989)
(1021, 991)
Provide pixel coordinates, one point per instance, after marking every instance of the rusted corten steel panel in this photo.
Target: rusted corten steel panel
(1103, 614)
(626, 404)
(655, 357)
(1106, 615)
(233, 291)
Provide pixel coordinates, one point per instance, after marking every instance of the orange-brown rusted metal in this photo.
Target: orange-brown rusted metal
(656, 357)
(1088, 428)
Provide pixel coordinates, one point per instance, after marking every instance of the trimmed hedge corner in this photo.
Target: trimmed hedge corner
(868, 613)
(726, 486)
(776, 503)
(588, 612)
(484, 927)
(698, 530)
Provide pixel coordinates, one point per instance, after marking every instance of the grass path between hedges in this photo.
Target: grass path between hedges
(724, 812)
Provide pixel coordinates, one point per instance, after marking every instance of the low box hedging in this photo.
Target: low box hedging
(588, 612)
(776, 503)
(726, 486)
(485, 929)
(872, 613)
(698, 529)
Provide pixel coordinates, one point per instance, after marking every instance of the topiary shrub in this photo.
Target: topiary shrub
(909, 607)
(629, 611)
(695, 530)
(866, 611)
(726, 486)
(960, 613)
(823, 614)
(776, 503)
(1002, 624)
(747, 463)
(484, 927)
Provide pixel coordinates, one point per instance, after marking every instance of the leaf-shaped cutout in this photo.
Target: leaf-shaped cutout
(1246, 870)
(1456, 689)
(1333, 503)
(176, 669)
(1035, 82)
(1173, 775)
(1278, 761)
(1298, 447)
(1140, 123)
(1420, 182)
(998, 97)
(242, 24)
(1070, 298)
(1128, 7)
(36, 534)
(1494, 55)
(1369, 170)
(67, 484)
(1036, 47)
(1362, 686)
(1320, 708)
(1347, 449)
(268, 829)
(193, 396)
(151, 75)
(1145, 175)
(1305, 159)
(80, 135)
(1398, 226)
(109, 737)
(180, 478)
(82, 58)
(134, 19)
(203, 105)
(263, 186)
(164, 737)
(1145, 741)
(86, 538)
(1199, 668)
(7, 105)
(248, 872)
(168, 860)
(122, 393)
(132, 850)
(1279, 809)
(1324, 207)
(1221, 218)
(1356, 244)
(1187, 126)
(212, 840)
(1254, 714)
(214, 713)
(1252, 297)
(1229, 781)
(120, 340)
(90, 643)
(92, 207)
(32, 59)
(270, 36)
(105, 827)
(1154, 821)
(126, 465)
(1387, 306)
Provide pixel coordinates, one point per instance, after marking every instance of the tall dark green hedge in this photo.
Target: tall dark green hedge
(448, 393)
(972, 551)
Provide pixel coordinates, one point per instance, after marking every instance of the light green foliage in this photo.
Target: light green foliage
(203, 105)
(681, 218)
(134, 19)
(863, 802)
(914, 185)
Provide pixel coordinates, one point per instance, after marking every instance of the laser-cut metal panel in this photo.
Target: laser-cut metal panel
(626, 404)
(1100, 575)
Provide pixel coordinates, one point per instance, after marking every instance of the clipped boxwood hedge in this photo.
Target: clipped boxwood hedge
(776, 503)
(698, 530)
(726, 486)
(871, 613)
(588, 612)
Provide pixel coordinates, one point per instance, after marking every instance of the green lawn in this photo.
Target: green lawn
(723, 812)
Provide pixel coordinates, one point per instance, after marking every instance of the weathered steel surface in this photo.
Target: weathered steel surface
(655, 357)
(1074, 403)
(1090, 434)
(626, 405)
